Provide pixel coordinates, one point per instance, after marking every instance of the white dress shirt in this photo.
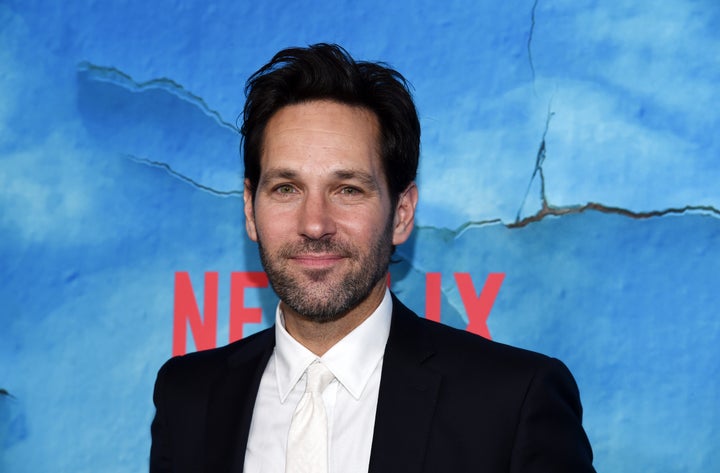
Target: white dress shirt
(350, 399)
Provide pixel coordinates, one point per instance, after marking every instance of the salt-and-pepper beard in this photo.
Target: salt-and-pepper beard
(315, 299)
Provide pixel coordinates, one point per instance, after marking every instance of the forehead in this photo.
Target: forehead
(321, 132)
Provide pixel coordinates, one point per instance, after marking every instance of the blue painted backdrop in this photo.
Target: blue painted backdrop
(572, 145)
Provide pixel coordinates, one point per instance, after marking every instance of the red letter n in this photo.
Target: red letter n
(203, 328)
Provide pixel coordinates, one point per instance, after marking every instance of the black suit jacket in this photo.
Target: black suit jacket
(449, 402)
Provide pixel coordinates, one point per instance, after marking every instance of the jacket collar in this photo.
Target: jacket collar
(231, 401)
(406, 403)
(408, 395)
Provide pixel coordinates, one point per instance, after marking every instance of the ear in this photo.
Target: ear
(249, 211)
(405, 214)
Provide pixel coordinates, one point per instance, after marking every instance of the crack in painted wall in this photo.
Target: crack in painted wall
(184, 178)
(530, 38)
(549, 210)
(116, 76)
(161, 122)
(538, 169)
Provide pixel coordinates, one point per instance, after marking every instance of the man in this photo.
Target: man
(331, 149)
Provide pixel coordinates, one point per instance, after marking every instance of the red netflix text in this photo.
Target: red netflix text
(204, 323)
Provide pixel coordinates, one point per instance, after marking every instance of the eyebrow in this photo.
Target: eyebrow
(341, 174)
(362, 176)
(278, 173)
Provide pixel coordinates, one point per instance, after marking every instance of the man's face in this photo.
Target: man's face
(322, 214)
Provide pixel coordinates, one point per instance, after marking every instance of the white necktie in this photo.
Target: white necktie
(308, 436)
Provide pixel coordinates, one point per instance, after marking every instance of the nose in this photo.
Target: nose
(316, 220)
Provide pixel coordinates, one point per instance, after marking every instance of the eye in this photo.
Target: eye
(285, 189)
(350, 191)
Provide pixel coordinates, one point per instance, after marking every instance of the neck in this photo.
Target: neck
(320, 337)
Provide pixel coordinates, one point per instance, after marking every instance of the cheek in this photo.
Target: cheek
(365, 225)
(272, 225)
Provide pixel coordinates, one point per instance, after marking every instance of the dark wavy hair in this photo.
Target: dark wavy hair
(327, 72)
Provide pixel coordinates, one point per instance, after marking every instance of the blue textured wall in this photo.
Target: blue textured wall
(571, 145)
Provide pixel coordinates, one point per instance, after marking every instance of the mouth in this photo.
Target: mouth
(317, 260)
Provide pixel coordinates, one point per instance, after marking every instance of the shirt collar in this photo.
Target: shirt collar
(352, 360)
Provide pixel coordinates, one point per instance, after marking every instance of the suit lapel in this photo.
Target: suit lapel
(406, 402)
(231, 402)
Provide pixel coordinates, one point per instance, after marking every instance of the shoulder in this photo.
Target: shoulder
(202, 365)
(463, 343)
(458, 351)
(523, 405)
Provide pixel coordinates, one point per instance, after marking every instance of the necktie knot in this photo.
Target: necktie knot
(318, 378)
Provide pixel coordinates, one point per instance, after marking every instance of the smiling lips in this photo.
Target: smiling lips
(315, 260)
(316, 253)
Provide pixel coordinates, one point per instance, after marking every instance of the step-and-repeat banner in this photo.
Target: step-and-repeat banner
(569, 185)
